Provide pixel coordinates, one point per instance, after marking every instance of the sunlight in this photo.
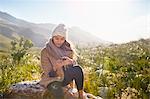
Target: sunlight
(112, 21)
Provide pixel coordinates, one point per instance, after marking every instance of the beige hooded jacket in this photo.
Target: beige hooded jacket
(49, 55)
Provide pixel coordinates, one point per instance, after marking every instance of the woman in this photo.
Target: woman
(57, 61)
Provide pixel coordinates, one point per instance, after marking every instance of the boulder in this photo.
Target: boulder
(32, 90)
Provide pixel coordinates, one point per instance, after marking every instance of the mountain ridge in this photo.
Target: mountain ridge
(39, 33)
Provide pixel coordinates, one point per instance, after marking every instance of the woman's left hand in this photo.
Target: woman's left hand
(67, 60)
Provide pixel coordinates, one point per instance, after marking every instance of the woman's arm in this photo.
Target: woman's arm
(45, 63)
(68, 61)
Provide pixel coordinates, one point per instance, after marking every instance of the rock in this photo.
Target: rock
(103, 92)
(32, 90)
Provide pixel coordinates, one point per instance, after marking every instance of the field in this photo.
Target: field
(116, 71)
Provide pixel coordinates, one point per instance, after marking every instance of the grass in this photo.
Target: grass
(4, 42)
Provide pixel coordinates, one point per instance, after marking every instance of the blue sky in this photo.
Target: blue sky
(112, 20)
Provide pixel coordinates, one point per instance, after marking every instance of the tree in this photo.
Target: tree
(19, 48)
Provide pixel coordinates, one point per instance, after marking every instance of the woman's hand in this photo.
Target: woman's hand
(64, 61)
(59, 64)
(67, 60)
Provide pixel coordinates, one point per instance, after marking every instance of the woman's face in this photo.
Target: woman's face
(58, 40)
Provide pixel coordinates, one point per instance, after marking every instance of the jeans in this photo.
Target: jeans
(73, 73)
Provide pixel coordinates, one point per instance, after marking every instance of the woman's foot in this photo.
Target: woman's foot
(81, 94)
(71, 84)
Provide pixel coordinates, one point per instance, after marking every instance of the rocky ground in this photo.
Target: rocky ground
(32, 90)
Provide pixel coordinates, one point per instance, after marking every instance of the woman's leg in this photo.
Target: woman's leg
(78, 77)
(74, 73)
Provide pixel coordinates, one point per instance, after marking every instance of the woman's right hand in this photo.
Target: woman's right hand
(59, 63)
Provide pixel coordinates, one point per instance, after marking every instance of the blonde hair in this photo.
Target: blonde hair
(75, 55)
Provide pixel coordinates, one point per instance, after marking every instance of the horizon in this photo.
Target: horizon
(114, 21)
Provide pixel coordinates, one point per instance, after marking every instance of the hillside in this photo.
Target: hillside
(11, 27)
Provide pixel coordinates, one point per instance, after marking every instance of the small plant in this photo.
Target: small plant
(19, 48)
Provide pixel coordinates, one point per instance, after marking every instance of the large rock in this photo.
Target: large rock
(32, 90)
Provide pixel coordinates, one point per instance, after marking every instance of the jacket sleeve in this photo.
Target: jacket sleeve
(45, 63)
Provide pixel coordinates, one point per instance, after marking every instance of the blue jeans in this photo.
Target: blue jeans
(73, 73)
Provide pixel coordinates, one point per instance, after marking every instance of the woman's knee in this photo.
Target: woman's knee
(78, 69)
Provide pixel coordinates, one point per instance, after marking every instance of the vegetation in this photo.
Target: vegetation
(111, 72)
(123, 70)
(18, 65)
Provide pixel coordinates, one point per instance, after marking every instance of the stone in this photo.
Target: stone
(32, 90)
(103, 92)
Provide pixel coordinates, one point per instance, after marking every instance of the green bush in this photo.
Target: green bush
(19, 65)
(124, 70)
(119, 68)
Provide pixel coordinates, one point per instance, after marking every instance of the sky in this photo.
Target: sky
(116, 21)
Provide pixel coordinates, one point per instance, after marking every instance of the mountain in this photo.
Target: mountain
(12, 27)
(79, 36)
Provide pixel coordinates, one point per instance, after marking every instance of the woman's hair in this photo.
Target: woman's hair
(75, 55)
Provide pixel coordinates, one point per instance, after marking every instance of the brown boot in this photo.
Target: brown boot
(81, 94)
